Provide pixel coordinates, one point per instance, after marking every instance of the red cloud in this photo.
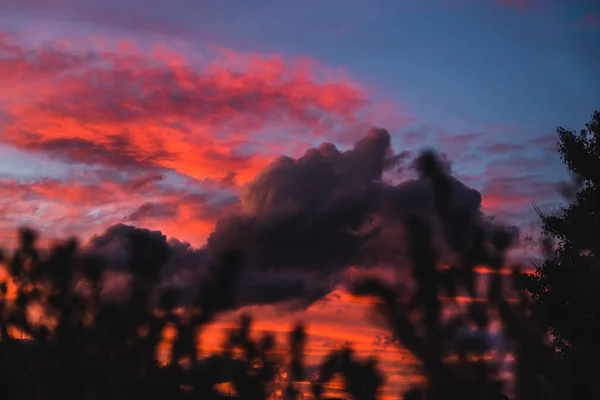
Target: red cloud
(497, 201)
(513, 196)
(126, 107)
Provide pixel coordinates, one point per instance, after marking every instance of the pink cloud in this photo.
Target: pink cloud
(512, 195)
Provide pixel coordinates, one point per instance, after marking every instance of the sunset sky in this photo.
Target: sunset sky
(158, 113)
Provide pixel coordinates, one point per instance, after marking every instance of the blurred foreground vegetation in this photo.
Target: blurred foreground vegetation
(88, 346)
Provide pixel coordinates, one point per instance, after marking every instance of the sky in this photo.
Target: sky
(165, 115)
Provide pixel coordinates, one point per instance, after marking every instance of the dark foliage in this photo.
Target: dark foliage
(103, 348)
(565, 287)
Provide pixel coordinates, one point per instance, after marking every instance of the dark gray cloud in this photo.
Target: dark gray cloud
(187, 268)
(302, 222)
(329, 209)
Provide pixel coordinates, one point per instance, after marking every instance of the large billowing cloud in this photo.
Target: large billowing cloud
(302, 222)
(323, 210)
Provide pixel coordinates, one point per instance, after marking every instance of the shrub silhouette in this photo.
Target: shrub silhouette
(98, 348)
(101, 349)
(106, 349)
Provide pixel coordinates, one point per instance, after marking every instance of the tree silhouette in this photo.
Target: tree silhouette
(565, 286)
